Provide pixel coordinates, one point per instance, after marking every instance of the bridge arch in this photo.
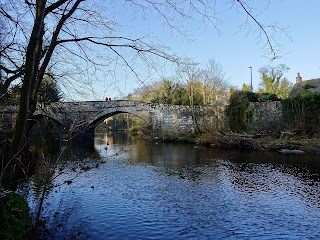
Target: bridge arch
(108, 109)
(80, 118)
(41, 116)
(109, 113)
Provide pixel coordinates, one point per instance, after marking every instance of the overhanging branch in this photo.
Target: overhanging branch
(140, 47)
(260, 26)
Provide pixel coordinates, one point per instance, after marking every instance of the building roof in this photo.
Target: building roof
(299, 87)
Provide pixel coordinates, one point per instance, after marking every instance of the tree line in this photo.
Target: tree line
(198, 86)
(209, 86)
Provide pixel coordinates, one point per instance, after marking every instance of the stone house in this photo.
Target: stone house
(300, 86)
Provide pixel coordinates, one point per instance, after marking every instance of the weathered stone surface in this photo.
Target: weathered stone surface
(165, 120)
(265, 117)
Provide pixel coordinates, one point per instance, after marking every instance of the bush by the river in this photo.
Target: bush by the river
(303, 112)
(15, 222)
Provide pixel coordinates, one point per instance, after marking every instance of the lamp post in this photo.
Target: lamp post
(251, 78)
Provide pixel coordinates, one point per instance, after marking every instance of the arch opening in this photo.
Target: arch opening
(128, 117)
(132, 124)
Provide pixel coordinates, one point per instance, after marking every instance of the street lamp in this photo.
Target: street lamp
(251, 78)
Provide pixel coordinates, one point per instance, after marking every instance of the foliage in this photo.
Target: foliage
(168, 92)
(273, 80)
(49, 92)
(189, 138)
(15, 220)
(232, 90)
(134, 129)
(141, 129)
(261, 97)
(245, 87)
(122, 121)
(196, 86)
(179, 96)
(237, 111)
(308, 86)
(194, 90)
(13, 96)
(163, 92)
(303, 111)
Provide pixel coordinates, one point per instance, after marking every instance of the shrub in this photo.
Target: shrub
(303, 111)
(236, 111)
(308, 86)
(15, 220)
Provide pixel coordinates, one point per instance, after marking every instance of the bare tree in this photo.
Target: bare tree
(11, 49)
(55, 26)
(213, 81)
(78, 27)
(189, 74)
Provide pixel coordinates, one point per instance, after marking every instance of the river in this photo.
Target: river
(139, 190)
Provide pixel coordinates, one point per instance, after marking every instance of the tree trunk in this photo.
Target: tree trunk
(31, 66)
(194, 119)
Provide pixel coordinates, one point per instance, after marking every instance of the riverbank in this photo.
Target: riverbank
(284, 142)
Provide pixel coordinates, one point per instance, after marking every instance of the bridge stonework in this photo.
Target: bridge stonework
(165, 120)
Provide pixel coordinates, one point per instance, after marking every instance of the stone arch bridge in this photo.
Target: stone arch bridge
(165, 120)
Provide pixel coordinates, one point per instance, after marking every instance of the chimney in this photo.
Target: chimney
(298, 78)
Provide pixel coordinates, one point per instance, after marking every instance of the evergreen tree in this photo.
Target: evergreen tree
(49, 92)
(245, 87)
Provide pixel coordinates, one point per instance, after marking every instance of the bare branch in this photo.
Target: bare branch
(262, 28)
(29, 3)
(54, 6)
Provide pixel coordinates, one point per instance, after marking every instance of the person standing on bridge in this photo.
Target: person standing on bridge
(110, 99)
(106, 98)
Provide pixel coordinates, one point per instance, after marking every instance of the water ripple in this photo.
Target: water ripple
(170, 191)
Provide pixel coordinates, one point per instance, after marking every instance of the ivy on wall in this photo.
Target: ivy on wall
(238, 112)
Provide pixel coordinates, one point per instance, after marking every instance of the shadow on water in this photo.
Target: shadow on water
(181, 156)
(125, 189)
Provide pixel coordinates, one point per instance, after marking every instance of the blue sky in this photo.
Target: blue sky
(236, 49)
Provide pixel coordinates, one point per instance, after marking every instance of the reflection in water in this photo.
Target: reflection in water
(142, 190)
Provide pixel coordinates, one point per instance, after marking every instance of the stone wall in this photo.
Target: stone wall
(172, 120)
(165, 120)
(265, 116)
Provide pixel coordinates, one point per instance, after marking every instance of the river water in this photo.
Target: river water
(139, 190)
